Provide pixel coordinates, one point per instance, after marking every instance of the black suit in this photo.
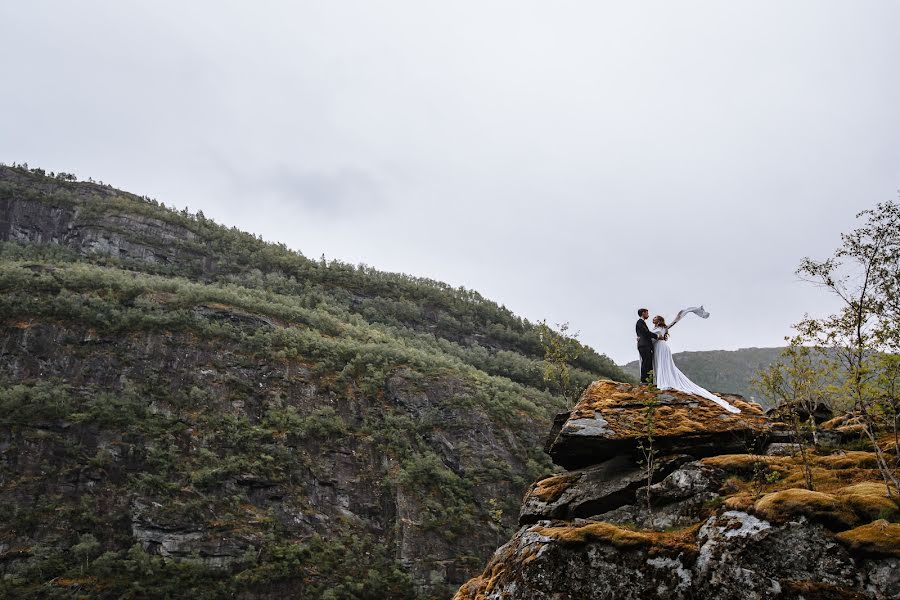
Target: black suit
(645, 348)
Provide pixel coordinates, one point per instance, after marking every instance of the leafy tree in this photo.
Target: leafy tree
(86, 548)
(887, 383)
(863, 273)
(795, 384)
(560, 350)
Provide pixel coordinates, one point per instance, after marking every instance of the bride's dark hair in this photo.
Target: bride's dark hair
(659, 321)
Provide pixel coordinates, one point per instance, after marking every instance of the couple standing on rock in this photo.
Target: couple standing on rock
(656, 357)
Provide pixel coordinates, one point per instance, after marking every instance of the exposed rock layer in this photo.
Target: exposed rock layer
(612, 418)
(727, 526)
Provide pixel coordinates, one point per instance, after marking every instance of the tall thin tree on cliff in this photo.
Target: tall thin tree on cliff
(796, 386)
(561, 349)
(864, 273)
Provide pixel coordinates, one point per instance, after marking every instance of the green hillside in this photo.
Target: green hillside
(187, 410)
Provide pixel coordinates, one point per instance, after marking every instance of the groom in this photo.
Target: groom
(645, 339)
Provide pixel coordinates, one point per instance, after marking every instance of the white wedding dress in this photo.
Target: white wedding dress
(668, 377)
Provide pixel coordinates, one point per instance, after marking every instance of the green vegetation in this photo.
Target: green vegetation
(234, 389)
(849, 359)
(485, 334)
(314, 569)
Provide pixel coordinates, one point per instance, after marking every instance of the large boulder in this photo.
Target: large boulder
(733, 555)
(685, 496)
(613, 418)
(593, 490)
(710, 515)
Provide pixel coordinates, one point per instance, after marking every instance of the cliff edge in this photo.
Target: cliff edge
(722, 513)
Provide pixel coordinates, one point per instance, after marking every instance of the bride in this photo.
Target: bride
(667, 376)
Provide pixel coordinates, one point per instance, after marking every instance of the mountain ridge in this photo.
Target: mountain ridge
(213, 415)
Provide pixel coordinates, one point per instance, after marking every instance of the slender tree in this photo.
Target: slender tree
(561, 349)
(795, 383)
(864, 273)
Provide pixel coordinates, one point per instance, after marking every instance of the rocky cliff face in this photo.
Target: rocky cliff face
(719, 524)
(187, 411)
(184, 415)
(26, 217)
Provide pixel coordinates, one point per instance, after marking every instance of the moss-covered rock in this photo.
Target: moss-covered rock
(869, 500)
(613, 418)
(794, 503)
(880, 538)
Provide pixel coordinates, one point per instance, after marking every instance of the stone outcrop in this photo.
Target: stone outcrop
(704, 523)
(733, 555)
(122, 234)
(589, 491)
(611, 418)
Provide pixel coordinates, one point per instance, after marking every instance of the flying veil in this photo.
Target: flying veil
(670, 377)
(697, 310)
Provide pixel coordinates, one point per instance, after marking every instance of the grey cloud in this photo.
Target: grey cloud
(570, 160)
(343, 192)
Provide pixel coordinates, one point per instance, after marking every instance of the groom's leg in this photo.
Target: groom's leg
(646, 353)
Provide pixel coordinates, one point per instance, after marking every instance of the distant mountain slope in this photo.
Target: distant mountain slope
(721, 370)
(171, 388)
(122, 230)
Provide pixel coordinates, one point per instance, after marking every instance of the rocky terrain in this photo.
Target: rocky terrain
(187, 411)
(723, 512)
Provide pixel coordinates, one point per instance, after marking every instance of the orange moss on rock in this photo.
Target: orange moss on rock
(623, 407)
(830, 473)
(478, 587)
(845, 460)
(550, 489)
(849, 492)
(879, 538)
(848, 488)
(869, 500)
(834, 422)
(846, 424)
(827, 509)
(619, 537)
(746, 464)
(505, 563)
(741, 501)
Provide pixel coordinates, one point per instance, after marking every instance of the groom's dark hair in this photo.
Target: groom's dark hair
(642, 311)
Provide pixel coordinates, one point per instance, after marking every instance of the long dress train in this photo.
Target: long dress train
(668, 377)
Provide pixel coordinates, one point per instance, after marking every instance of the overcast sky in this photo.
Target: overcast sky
(571, 160)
